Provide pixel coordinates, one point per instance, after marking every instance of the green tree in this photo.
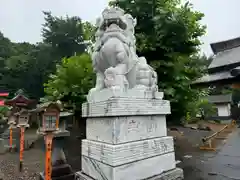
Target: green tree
(27, 66)
(13, 59)
(65, 35)
(72, 81)
(6, 48)
(167, 35)
(42, 62)
(89, 31)
(89, 35)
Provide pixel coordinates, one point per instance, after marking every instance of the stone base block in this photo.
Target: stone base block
(61, 172)
(12, 148)
(123, 129)
(116, 155)
(175, 174)
(137, 93)
(126, 107)
(135, 171)
(66, 177)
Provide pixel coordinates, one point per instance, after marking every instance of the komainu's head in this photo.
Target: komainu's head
(115, 23)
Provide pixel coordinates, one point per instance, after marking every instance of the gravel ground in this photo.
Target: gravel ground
(186, 144)
(33, 164)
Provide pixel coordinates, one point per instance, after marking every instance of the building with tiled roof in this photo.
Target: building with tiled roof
(225, 66)
(223, 70)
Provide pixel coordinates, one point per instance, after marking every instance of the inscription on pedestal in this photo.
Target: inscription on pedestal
(116, 130)
(133, 126)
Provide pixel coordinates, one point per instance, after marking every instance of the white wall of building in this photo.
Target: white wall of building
(224, 109)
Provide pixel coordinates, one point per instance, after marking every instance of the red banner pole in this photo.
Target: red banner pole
(21, 148)
(48, 160)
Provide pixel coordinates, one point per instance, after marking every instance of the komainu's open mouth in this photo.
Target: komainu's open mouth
(110, 22)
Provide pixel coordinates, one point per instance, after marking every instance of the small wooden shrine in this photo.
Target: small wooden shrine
(20, 100)
(19, 117)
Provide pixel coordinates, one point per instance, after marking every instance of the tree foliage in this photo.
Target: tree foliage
(167, 35)
(64, 34)
(28, 66)
(72, 80)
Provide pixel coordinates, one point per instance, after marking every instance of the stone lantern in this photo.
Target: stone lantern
(23, 119)
(12, 120)
(49, 119)
(12, 125)
(54, 133)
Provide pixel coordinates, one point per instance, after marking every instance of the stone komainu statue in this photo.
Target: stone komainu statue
(115, 61)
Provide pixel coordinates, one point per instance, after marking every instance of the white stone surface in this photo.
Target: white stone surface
(120, 154)
(175, 174)
(114, 56)
(223, 109)
(135, 171)
(106, 94)
(115, 130)
(126, 107)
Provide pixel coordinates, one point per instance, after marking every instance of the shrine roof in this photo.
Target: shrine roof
(227, 57)
(223, 98)
(214, 77)
(65, 114)
(226, 53)
(43, 106)
(19, 99)
(4, 94)
(23, 111)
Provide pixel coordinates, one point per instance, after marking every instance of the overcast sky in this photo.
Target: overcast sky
(21, 20)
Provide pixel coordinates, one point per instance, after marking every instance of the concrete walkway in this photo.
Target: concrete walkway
(226, 163)
(221, 165)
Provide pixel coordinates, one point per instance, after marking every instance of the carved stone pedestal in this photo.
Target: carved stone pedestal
(127, 140)
(175, 174)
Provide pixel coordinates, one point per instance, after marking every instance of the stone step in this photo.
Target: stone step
(115, 155)
(142, 169)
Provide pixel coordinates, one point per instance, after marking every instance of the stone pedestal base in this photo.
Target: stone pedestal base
(63, 172)
(175, 174)
(138, 160)
(127, 139)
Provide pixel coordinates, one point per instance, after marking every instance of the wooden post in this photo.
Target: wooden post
(48, 158)
(21, 148)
